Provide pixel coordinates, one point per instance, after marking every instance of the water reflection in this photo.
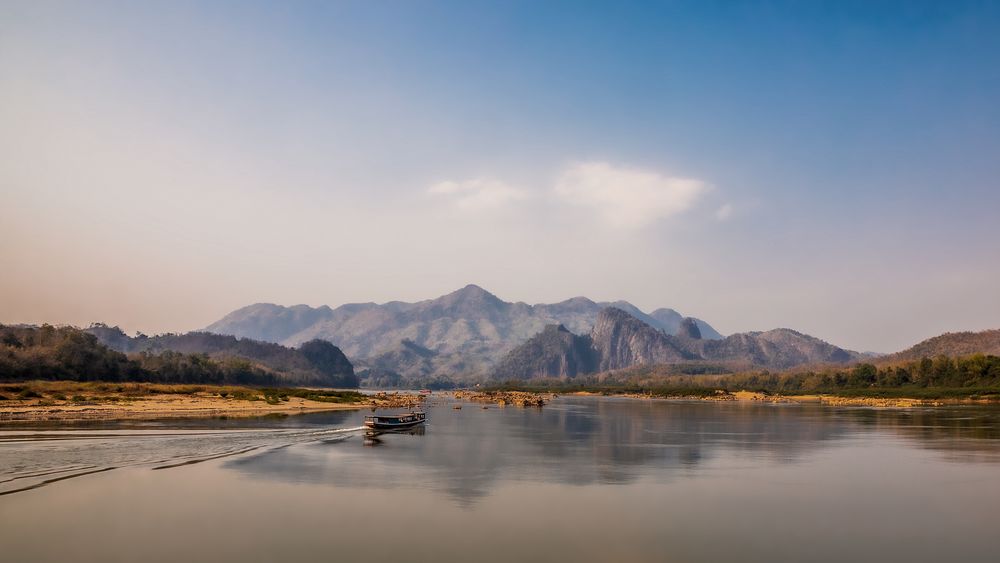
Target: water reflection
(467, 453)
(375, 437)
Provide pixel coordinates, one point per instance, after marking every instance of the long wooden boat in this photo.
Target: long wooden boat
(395, 422)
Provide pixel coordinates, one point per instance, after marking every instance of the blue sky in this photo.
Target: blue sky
(827, 166)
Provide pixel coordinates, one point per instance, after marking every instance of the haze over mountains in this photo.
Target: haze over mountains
(458, 335)
(465, 337)
(464, 334)
(445, 324)
(619, 340)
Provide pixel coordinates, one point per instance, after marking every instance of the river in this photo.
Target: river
(582, 479)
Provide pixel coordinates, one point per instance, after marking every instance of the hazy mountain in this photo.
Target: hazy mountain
(467, 330)
(670, 321)
(554, 352)
(780, 348)
(316, 362)
(273, 323)
(951, 344)
(619, 340)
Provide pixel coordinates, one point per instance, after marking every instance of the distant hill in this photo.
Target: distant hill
(315, 362)
(554, 352)
(462, 334)
(68, 353)
(619, 340)
(780, 348)
(952, 344)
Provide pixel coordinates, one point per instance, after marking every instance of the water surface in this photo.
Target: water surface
(584, 479)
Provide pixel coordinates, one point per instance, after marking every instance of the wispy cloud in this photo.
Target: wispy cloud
(479, 193)
(724, 212)
(621, 197)
(627, 197)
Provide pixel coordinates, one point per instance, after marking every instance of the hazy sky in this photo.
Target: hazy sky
(831, 166)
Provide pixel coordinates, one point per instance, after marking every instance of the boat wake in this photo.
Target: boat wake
(32, 459)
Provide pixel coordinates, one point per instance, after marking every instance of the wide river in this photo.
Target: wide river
(582, 479)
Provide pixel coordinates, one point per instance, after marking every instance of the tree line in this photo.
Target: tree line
(68, 353)
(942, 375)
(975, 371)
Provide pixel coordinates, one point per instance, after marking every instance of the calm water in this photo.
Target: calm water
(584, 479)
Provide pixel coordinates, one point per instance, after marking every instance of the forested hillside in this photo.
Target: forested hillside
(51, 353)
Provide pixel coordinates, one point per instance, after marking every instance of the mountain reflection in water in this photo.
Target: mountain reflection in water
(583, 440)
(585, 479)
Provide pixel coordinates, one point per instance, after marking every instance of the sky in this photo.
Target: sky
(830, 167)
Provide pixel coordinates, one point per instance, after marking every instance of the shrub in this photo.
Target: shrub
(28, 394)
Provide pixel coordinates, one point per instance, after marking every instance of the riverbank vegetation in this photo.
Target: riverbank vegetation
(942, 377)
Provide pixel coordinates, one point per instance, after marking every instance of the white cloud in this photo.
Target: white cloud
(725, 212)
(479, 193)
(627, 197)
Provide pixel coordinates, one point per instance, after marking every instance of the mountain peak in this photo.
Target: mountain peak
(473, 289)
(689, 329)
(470, 302)
(470, 293)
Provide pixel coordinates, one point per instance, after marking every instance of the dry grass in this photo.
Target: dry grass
(70, 401)
(109, 392)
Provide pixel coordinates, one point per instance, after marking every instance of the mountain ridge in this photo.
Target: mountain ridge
(470, 322)
(619, 340)
(949, 344)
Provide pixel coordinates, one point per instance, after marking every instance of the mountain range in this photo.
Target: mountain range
(618, 340)
(460, 335)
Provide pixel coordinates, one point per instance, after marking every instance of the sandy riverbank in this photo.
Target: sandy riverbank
(162, 406)
(67, 401)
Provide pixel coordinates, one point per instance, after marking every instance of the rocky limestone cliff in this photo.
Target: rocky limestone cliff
(554, 352)
(621, 340)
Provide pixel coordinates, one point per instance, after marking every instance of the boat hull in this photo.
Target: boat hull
(391, 426)
(394, 422)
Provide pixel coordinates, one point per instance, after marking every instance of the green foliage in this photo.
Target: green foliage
(275, 395)
(970, 376)
(48, 353)
(330, 361)
(28, 394)
(317, 362)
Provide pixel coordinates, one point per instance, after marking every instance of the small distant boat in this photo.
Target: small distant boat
(395, 422)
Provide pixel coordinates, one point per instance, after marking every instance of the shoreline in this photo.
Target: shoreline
(819, 399)
(115, 402)
(48, 402)
(165, 406)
